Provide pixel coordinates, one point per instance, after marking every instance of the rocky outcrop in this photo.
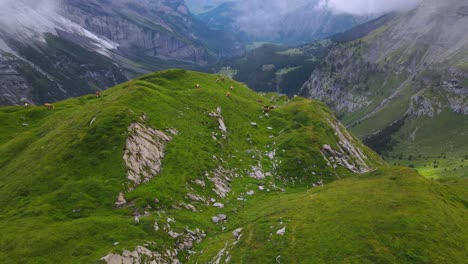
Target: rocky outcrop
(222, 126)
(14, 88)
(456, 94)
(141, 255)
(347, 155)
(183, 242)
(221, 180)
(337, 84)
(422, 106)
(144, 151)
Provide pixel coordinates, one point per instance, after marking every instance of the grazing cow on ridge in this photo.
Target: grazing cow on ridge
(49, 106)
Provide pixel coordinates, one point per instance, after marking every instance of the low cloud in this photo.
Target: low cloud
(366, 7)
(267, 18)
(22, 17)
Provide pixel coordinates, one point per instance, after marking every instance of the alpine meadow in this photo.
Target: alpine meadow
(233, 131)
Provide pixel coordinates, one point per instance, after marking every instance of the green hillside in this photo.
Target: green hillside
(387, 216)
(151, 161)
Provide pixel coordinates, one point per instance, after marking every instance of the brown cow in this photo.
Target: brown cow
(98, 94)
(267, 108)
(197, 86)
(228, 94)
(232, 88)
(49, 106)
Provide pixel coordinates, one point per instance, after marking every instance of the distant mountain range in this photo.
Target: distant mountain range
(49, 53)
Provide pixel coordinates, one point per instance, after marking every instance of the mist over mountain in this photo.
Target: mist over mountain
(19, 16)
(365, 7)
(293, 22)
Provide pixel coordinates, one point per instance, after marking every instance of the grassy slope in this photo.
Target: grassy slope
(60, 174)
(387, 216)
(422, 147)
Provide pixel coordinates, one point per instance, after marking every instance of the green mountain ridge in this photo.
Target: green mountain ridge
(159, 170)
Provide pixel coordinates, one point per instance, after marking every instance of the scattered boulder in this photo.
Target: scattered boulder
(251, 192)
(237, 233)
(200, 182)
(215, 219)
(257, 173)
(219, 218)
(121, 202)
(281, 232)
(218, 205)
(196, 198)
(222, 217)
(173, 234)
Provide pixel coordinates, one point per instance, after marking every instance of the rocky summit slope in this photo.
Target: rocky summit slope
(397, 78)
(52, 50)
(157, 170)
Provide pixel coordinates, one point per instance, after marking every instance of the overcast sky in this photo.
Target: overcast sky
(364, 7)
(356, 7)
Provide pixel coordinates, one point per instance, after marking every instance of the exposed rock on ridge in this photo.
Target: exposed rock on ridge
(144, 151)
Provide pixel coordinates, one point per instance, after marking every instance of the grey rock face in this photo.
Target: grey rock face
(141, 26)
(14, 88)
(144, 152)
(347, 155)
(419, 53)
(90, 45)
